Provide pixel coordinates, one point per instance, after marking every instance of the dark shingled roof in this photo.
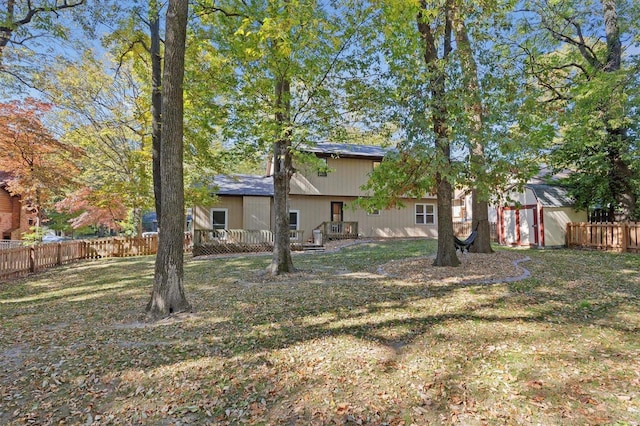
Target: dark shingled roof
(551, 195)
(348, 150)
(260, 186)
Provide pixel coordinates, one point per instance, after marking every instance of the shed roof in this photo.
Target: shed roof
(552, 195)
(348, 150)
(252, 185)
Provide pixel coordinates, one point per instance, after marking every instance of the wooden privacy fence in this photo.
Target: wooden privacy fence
(17, 262)
(621, 236)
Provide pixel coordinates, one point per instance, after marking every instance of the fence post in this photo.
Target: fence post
(32, 259)
(625, 236)
(59, 259)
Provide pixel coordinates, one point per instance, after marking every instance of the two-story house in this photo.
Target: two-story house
(319, 200)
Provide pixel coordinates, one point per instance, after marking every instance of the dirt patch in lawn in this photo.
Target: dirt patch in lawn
(499, 266)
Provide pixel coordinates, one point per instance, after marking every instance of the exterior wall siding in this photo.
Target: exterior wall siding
(257, 213)
(555, 220)
(389, 223)
(235, 216)
(345, 177)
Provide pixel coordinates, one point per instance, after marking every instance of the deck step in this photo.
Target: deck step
(312, 247)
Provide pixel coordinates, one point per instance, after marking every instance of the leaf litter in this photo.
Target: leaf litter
(336, 343)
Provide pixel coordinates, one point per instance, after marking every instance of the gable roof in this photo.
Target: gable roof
(347, 150)
(252, 185)
(551, 195)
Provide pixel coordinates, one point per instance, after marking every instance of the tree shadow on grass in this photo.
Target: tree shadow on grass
(256, 349)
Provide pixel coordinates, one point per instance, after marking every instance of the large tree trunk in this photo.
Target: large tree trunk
(446, 255)
(620, 176)
(479, 204)
(156, 103)
(281, 261)
(168, 292)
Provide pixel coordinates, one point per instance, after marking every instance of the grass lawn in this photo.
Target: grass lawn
(337, 343)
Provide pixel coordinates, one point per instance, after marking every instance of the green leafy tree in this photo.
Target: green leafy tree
(138, 43)
(106, 117)
(33, 32)
(417, 39)
(137, 40)
(21, 20)
(289, 61)
(588, 78)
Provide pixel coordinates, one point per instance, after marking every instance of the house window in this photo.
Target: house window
(219, 218)
(294, 219)
(374, 212)
(322, 171)
(294, 223)
(425, 214)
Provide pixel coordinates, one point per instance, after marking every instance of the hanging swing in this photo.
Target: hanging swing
(463, 245)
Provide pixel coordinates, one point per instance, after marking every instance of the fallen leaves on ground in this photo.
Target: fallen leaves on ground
(337, 342)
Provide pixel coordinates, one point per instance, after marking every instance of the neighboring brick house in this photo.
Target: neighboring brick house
(15, 218)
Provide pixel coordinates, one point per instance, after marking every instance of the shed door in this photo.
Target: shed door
(520, 226)
(528, 227)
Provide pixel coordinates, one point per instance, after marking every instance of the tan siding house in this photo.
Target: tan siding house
(318, 198)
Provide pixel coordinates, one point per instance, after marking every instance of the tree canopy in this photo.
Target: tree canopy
(474, 95)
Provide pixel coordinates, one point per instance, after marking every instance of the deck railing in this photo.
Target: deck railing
(220, 241)
(339, 230)
(618, 236)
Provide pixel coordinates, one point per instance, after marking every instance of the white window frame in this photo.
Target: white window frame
(297, 212)
(373, 212)
(226, 217)
(424, 214)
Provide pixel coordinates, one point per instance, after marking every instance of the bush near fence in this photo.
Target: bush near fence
(618, 236)
(21, 261)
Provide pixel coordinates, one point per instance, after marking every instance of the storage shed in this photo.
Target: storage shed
(537, 216)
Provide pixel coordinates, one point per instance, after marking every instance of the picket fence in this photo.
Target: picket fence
(18, 262)
(617, 236)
